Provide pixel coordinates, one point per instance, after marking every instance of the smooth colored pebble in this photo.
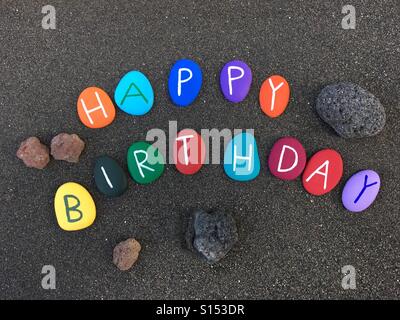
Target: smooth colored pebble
(287, 158)
(184, 82)
(241, 159)
(235, 80)
(95, 108)
(134, 94)
(189, 152)
(274, 96)
(361, 190)
(323, 172)
(109, 177)
(145, 163)
(74, 207)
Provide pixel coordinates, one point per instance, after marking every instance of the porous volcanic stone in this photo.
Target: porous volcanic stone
(211, 235)
(350, 110)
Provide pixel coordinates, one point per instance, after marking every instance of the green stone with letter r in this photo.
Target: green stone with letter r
(145, 163)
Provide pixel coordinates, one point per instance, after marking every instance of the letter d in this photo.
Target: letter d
(295, 162)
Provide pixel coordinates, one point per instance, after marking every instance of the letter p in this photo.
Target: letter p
(180, 80)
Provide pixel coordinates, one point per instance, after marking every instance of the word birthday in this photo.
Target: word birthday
(287, 160)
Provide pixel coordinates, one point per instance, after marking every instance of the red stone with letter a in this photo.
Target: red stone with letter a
(323, 172)
(287, 158)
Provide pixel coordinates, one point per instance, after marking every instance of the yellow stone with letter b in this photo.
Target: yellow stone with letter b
(74, 207)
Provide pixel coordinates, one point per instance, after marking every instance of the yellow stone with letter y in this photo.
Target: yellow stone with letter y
(74, 207)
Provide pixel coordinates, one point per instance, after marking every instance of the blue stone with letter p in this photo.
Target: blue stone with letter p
(184, 82)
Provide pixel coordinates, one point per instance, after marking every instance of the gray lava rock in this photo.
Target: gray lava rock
(33, 153)
(350, 110)
(211, 235)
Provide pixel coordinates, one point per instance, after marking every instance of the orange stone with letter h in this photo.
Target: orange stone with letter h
(95, 108)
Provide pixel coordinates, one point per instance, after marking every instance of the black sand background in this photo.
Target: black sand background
(293, 245)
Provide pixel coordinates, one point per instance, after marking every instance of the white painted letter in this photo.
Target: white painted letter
(325, 174)
(141, 164)
(230, 79)
(89, 111)
(274, 90)
(246, 158)
(180, 80)
(296, 161)
(185, 147)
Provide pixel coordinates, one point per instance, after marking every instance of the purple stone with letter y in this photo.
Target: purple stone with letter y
(361, 190)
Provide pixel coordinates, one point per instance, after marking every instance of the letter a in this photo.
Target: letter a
(137, 94)
(349, 21)
(323, 173)
(49, 280)
(349, 280)
(49, 20)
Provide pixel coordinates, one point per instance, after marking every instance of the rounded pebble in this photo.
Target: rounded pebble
(287, 158)
(74, 207)
(109, 177)
(189, 151)
(361, 190)
(134, 94)
(184, 82)
(145, 163)
(323, 172)
(274, 96)
(95, 108)
(235, 80)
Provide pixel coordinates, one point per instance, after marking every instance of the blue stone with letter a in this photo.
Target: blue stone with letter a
(184, 82)
(241, 160)
(134, 94)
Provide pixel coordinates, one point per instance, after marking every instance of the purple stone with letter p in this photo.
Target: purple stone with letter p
(235, 80)
(361, 190)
